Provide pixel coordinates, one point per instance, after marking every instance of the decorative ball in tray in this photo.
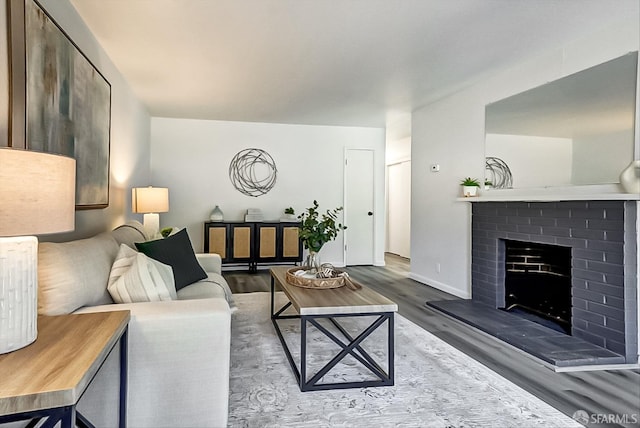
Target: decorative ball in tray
(327, 277)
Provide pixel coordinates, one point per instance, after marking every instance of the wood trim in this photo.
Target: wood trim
(17, 129)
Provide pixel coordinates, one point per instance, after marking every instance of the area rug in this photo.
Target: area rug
(435, 384)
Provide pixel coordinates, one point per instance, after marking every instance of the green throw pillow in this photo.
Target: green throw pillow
(177, 252)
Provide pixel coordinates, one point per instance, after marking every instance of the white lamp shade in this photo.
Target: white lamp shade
(150, 199)
(37, 193)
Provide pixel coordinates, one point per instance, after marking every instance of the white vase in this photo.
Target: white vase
(630, 177)
(468, 191)
(216, 214)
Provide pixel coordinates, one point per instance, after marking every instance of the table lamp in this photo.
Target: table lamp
(150, 201)
(37, 196)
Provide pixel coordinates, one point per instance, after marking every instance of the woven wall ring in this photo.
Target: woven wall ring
(253, 172)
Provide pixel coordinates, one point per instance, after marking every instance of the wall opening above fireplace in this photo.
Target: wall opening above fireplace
(538, 283)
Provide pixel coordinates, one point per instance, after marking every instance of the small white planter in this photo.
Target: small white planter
(469, 191)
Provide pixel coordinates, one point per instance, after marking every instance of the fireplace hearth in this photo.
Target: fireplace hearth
(598, 310)
(538, 283)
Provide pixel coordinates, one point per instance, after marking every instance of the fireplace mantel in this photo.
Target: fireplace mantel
(498, 196)
(554, 194)
(598, 192)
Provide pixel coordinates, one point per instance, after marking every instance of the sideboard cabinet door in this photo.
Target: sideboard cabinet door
(216, 239)
(291, 249)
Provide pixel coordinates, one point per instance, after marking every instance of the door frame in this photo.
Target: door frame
(374, 201)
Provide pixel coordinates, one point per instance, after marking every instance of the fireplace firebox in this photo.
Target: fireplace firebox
(538, 283)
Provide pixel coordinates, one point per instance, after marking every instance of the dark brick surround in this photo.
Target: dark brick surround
(602, 236)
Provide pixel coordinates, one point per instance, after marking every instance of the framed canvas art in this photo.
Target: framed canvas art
(60, 102)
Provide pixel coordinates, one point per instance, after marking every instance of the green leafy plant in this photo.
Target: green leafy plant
(317, 229)
(289, 211)
(470, 182)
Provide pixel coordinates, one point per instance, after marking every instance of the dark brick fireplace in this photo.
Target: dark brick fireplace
(602, 239)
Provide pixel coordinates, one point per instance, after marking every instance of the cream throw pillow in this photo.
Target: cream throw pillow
(74, 274)
(135, 277)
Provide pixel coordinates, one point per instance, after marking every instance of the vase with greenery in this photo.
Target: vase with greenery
(317, 229)
(470, 186)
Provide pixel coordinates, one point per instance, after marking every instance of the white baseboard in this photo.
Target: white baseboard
(440, 286)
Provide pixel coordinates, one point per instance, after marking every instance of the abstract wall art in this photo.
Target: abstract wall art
(60, 101)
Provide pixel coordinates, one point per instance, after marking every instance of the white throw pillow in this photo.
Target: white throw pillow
(135, 277)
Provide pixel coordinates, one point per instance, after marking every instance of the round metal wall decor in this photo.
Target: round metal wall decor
(498, 173)
(253, 172)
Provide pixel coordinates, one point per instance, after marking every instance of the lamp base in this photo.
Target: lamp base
(151, 223)
(18, 292)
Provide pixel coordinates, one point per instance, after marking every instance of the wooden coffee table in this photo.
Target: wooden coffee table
(334, 304)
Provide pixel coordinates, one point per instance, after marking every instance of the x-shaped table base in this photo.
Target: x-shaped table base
(352, 346)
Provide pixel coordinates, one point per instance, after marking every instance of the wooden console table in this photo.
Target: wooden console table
(47, 378)
(254, 242)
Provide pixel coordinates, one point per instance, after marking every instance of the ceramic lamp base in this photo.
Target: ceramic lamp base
(151, 223)
(18, 292)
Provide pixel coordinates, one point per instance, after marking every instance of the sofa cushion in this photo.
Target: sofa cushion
(177, 252)
(213, 286)
(74, 274)
(135, 277)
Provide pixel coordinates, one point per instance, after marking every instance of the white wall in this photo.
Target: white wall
(547, 163)
(450, 132)
(398, 150)
(399, 209)
(130, 123)
(191, 158)
(398, 191)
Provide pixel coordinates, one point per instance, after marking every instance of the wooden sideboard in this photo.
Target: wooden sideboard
(253, 242)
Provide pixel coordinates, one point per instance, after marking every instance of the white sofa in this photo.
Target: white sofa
(178, 349)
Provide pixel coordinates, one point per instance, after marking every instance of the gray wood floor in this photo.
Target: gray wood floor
(612, 395)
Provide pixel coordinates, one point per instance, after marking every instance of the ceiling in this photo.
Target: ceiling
(325, 62)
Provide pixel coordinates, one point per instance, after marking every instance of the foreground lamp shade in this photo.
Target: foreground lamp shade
(37, 196)
(150, 201)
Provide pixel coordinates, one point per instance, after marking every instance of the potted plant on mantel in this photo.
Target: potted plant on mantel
(316, 230)
(470, 187)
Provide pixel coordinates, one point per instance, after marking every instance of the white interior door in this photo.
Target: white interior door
(399, 218)
(359, 214)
